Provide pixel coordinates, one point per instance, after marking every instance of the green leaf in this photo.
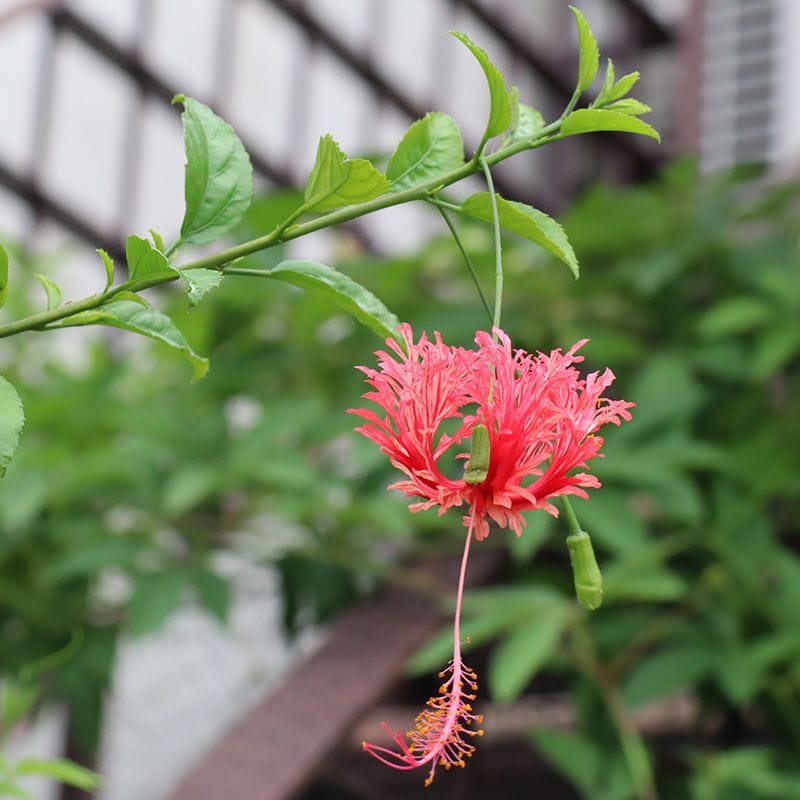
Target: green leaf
(666, 672)
(499, 100)
(631, 580)
(752, 769)
(213, 592)
(10, 788)
(61, 769)
(576, 757)
(132, 316)
(630, 106)
(736, 315)
(525, 221)
(529, 122)
(17, 698)
(623, 86)
(435, 652)
(491, 612)
(517, 659)
(108, 263)
(219, 177)
(155, 596)
(199, 282)
(431, 147)
(51, 289)
(133, 297)
(12, 418)
(604, 95)
(145, 262)
(158, 240)
(89, 559)
(353, 298)
(589, 52)
(188, 486)
(337, 180)
(776, 347)
(3, 276)
(524, 548)
(590, 120)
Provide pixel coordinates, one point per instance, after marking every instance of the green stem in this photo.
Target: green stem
(467, 259)
(569, 515)
(253, 273)
(573, 101)
(439, 203)
(295, 215)
(498, 248)
(633, 747)
(172, 249)
(284, 233)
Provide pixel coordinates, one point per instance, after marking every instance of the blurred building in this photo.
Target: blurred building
(91, 147)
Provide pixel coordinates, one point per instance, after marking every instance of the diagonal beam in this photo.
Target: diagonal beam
(64, 19)
(318, 32)
(366, 71)
(653, 31)
(43, 203)
(130, 63)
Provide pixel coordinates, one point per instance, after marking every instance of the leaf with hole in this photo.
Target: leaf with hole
(199, 282)
(218, 185)
(337, 180)
(431, 147)
(525, 221)
(499, 99)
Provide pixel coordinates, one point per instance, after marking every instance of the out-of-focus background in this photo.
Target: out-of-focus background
(217, 544)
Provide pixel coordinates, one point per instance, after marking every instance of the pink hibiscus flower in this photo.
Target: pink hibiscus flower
(533, 420)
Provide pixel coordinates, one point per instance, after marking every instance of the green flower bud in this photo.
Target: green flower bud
(588, 580)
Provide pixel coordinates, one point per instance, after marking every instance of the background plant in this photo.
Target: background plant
(695, 304)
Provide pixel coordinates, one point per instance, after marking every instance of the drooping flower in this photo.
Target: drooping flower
(533, 421)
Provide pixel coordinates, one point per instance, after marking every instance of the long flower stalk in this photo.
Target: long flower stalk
(443, 730)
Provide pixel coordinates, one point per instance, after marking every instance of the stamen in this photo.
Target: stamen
(442, 730)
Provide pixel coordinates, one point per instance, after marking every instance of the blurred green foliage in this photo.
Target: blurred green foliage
(130, 479)
(690, 290)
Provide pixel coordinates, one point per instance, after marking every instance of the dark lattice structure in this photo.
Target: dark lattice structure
(323, 47)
